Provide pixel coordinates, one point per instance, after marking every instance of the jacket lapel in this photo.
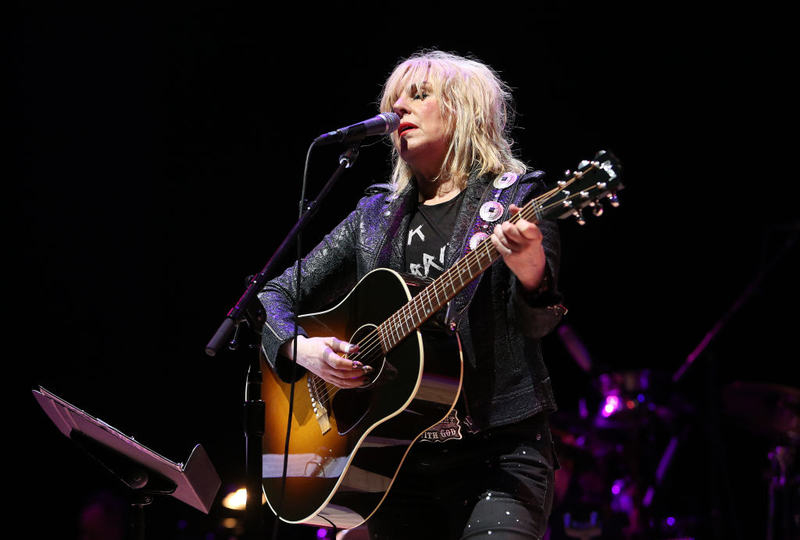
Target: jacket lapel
(392, 253)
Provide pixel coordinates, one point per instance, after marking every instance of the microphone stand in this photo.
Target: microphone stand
(249, 309)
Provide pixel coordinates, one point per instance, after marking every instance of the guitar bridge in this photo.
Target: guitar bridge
(322, 419)
(320, 411)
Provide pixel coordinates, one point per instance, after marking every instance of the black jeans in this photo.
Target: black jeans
(494, 484)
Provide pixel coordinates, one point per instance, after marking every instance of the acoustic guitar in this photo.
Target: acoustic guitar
(345, 447)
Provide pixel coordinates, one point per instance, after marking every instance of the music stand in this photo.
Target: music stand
(144, 471)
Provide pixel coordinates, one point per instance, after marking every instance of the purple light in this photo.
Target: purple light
(670, 521)
(617, 486)
(322, 533)
(611, 405)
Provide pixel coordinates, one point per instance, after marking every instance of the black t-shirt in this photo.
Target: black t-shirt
(427, 244)
(429, 233)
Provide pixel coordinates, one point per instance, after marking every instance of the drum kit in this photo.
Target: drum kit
(618, 451)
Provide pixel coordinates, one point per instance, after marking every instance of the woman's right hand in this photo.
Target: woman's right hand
(323, 357)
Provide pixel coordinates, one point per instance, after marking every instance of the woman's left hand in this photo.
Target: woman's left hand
(520, 245)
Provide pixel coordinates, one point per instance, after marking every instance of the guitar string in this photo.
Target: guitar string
(371, 345)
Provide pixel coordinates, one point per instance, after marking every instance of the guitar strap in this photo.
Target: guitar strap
(493, 210)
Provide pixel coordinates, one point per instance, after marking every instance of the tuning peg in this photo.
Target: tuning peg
(597, 208)
(613, 200)
(579, 217)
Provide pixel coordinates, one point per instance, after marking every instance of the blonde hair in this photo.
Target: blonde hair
(476, 106)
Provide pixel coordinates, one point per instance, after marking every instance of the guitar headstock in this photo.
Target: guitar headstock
(588, 186)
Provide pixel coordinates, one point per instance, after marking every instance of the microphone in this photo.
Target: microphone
(378, 125)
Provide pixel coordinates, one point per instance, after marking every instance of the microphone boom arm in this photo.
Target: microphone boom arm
(248, 303)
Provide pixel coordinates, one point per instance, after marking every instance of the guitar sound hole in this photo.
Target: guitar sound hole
(370, 352)
(351, 406)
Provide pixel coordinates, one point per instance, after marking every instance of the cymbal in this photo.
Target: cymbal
(767, 409)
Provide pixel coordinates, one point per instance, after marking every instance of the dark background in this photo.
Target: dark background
(157, 160)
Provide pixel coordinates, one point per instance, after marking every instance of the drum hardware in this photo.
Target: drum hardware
(773, 411)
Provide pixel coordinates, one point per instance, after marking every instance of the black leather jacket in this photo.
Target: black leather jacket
(500, 327)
